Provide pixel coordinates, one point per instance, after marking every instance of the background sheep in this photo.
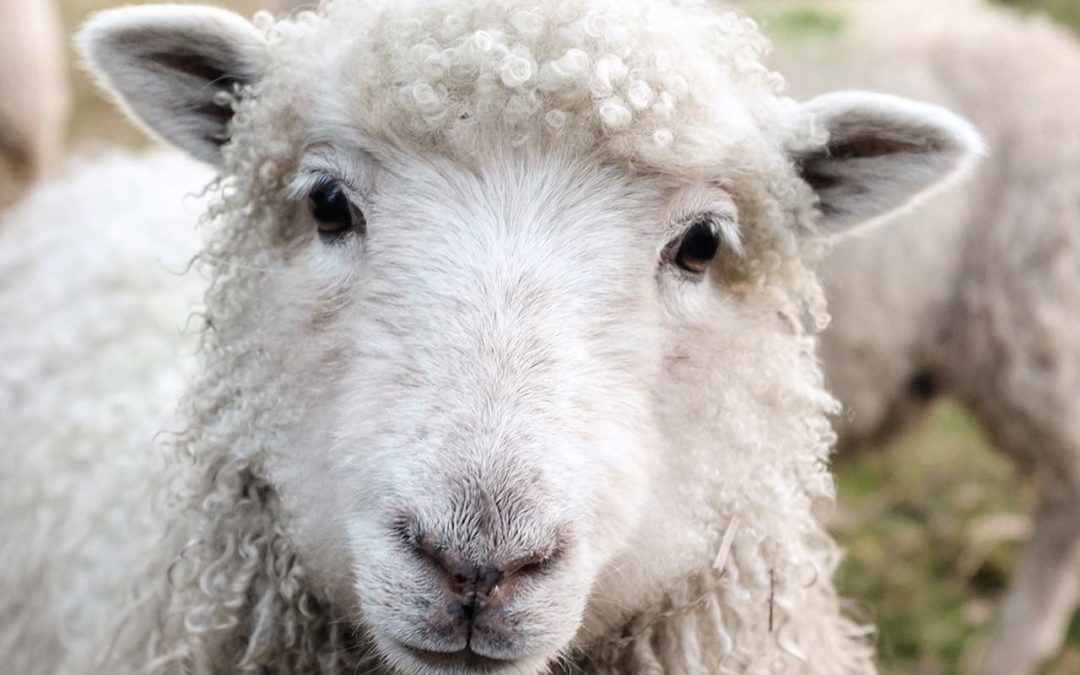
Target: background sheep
(34, 101)
(976, 294)
(95, 357)
(588, 402)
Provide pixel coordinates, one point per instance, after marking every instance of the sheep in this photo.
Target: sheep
(975, 294)
(507, 360)
(71, 371)
(34, 97)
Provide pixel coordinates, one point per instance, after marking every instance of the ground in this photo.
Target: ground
(931, 522)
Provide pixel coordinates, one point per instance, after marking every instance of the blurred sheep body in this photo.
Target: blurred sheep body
(94, 363)
(463, 327)
(34, 96)
(975, 294)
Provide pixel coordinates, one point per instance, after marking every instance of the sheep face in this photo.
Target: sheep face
(515, 384)
(481, 360)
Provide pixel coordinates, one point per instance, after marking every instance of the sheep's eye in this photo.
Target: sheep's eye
(696, 248)
(333, 211)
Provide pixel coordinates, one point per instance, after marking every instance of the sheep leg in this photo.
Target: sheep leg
(1036, 610)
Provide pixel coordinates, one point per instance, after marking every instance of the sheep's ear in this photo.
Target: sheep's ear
(171, 68)
(883, 153)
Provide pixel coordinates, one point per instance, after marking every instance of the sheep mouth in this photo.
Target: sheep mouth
(465, 659)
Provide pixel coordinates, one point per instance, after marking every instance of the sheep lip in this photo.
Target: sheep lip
(465, 658)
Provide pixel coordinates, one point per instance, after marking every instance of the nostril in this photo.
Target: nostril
(536, 562)
(532, 567)
(427, 547)
(455, 568)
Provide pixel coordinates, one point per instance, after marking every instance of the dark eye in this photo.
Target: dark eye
(696, 248)
(333, 211)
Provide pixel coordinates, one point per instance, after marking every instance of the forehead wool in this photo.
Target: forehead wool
(673, 85)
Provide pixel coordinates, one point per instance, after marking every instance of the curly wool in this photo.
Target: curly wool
(446, 74)
(456, 79)
(224, 590)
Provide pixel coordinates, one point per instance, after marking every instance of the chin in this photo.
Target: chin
(412, 661)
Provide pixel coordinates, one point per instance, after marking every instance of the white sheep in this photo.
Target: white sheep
(34, 97)
(508, 362)
(976, 294)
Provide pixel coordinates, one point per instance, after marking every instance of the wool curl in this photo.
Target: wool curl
(446, 74)
(460, 79)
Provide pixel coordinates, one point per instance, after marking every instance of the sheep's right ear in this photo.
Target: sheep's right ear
(170, 67)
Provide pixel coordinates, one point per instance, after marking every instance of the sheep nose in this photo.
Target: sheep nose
(473, 584)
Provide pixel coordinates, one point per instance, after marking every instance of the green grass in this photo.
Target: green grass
(1065, 11)
(806, 20)
(932, 523)
(800, 21)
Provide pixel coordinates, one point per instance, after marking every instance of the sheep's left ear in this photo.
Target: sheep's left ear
(882, 154)
(170, 67)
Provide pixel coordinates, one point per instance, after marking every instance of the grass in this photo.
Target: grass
(799, 21)
(1065, 11)
(932, 521)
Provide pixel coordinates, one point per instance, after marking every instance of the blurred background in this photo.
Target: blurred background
(932, 522)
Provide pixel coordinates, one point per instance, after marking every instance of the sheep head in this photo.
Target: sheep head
(510, 300)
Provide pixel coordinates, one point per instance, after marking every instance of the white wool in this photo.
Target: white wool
(448, 75)
(96, 347)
